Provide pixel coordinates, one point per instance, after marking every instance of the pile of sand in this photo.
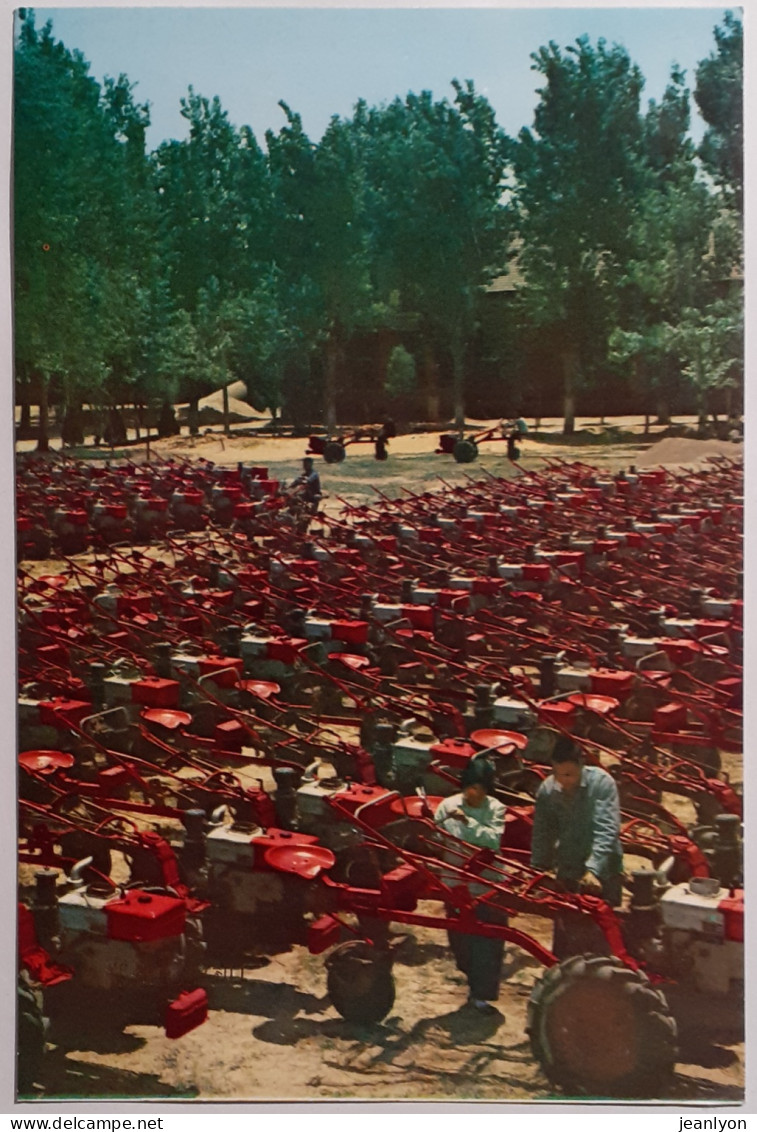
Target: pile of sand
(688, 452)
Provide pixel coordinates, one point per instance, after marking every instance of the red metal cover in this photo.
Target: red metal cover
(352, 632)
(230, 735)
(59, 710)
(140, 917)
(415, 807)
(45, 762)
(156, 692)
(487, 586)
(732, 908)
(53, 654)
(356, 795)
(285, 650)
(303, 860)
(276, 837)
(453, 752)
(560, 711)
(603, 705)
(571, 558)
(164, 717)
(323, 934)
(419, 616)
(536, 571)
(489, 737)
(155, 503)
(225, 670)
(186, 1012)
(263, 689)
(606, 682)
(670, 717)
(456, 600)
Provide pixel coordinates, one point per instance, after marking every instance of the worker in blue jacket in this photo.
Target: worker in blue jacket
(576, 831)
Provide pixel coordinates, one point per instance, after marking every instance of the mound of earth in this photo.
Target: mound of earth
(687, 452)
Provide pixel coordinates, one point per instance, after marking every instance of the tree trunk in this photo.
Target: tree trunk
(663, 412)
(192, 416)
(431, 383)
(570, 365)
(72, 426)
(226, 424)
(458, 384)
(26, 415)
(43, 440)
(646, 423)
(333, 357)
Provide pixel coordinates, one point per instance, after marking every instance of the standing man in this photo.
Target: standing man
(478, 819)
(576, 829)
(310, 483)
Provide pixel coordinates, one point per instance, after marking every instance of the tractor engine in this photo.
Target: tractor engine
(140, 938)
(703, 933)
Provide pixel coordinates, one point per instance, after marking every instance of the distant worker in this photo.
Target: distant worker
(478, 819)
(386, 433)
(518, 432)
(309, 484)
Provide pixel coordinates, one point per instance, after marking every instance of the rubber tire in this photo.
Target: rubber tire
(334, 452)
(31, 1029)
(360, 982)
(465, 451)
(569, 1033)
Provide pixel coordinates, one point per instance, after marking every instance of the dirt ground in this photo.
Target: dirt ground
(272, 1033)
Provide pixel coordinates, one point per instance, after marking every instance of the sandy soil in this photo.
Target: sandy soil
(272, 1033)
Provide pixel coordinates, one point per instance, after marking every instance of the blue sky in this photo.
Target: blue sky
(321, 61)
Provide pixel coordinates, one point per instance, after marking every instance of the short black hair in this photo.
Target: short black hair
(478, 772)
(566, 751)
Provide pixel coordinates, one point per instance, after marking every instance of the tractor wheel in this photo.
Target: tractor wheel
(31, 1027)
(600, 1029)
(360, 981)
(465, 451)
(334, 452)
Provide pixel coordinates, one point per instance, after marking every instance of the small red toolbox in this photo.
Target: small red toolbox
(323, 934)
(186, 1012)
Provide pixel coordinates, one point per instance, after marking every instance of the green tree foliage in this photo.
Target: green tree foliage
(719, 94)
(436, 175)
(321, 248)
(576, 175)
(400, 373)
(149, 278)
(78, 238)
